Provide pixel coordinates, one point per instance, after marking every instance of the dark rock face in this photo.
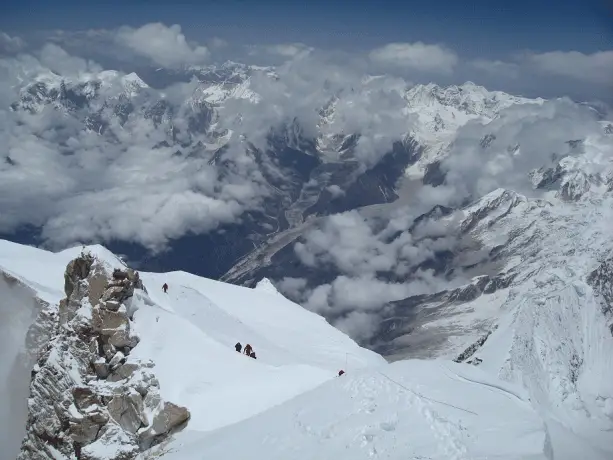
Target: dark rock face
(487, 140)
(434, 175)
(471, 350)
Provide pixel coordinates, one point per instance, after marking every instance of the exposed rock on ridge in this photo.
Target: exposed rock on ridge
(601, 281)
(88, 399)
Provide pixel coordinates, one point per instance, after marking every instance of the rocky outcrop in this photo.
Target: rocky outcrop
(601, 281)
(88, 399)
(472, 349)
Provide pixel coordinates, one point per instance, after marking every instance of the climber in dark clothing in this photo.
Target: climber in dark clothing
(341, 372)
(248, 350)
(252, 355)
(165, 287)
(238, 347)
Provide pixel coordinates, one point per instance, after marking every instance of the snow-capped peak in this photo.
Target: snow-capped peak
(439, 112)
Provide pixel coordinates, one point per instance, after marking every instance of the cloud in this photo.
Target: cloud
(371, 262)
(593, 68)
(415, 56)
(166, 46)
(525, 138)
(292, 286)
(356, 305)
(581, 76)
(335, 191)
(497, 68)
(218, 43)
(124, 184)
(60, 62)
(10, 45)
(359, 324)
(288, 50)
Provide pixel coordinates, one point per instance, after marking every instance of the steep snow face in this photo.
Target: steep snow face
(31, 285)
(546, 312)
(556, 340)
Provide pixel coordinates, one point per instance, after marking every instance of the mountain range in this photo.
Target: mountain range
(462, 234)
(310, 167)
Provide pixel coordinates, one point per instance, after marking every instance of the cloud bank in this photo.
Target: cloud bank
(374, 261)
(416, 56)
(377, 260)
(166, 46)
(124, 184)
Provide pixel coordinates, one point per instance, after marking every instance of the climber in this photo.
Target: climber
(165, 287)
(248, 350)
(238, 347)
(252, 355)
(341, 372)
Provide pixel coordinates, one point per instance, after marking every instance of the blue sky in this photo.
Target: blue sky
(478, 27)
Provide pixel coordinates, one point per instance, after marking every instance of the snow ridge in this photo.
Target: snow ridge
(287, 403)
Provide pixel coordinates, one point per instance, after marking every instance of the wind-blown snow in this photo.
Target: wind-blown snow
(18, 310)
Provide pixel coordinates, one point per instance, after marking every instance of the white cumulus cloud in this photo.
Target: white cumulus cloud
(595, 67)
(166, 46)
(416, 56)
(10, 44)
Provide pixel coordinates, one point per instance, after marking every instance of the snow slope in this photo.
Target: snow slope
(412, 409)
(190, 333)
(537, 321)
(289, 402)
(296, 349)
